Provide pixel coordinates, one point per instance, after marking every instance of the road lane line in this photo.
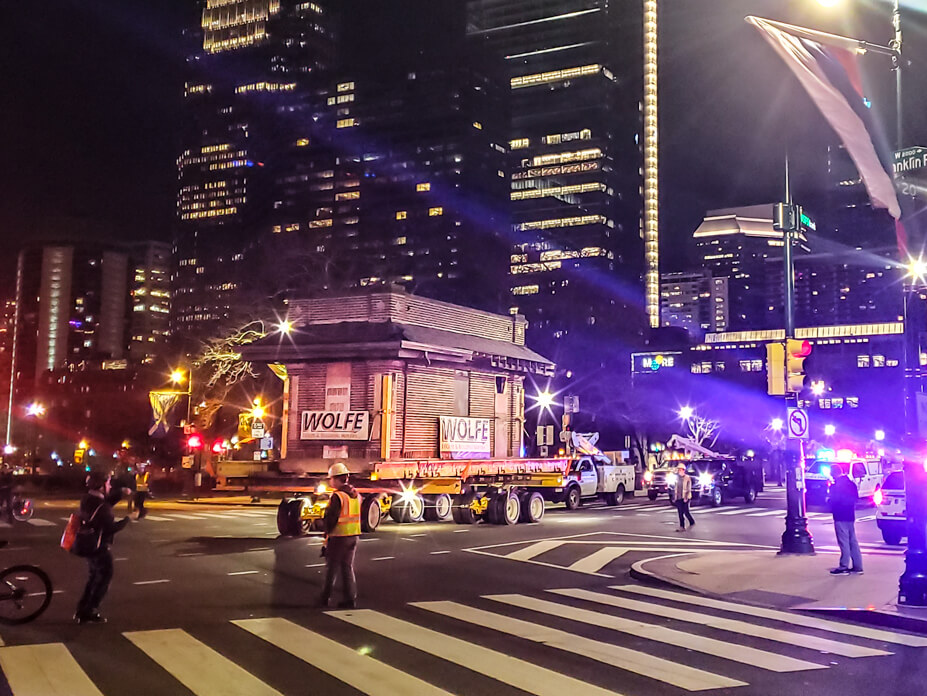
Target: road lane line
(383, 558)
(535, 549)
(151, 582)
(157, 518)
(787, 617)
(180, 516)
(597, 560)
(197, 666)
(245, 572)
(667, 671)
(364, 673)
(316, 565)
(38, 522)
(520, 674)
(777, 635)
(44, 670)
(662, 634)
(438, 553)
(260, 548)
(461, 531)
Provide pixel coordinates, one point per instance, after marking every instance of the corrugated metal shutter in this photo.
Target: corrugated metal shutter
(430, 395)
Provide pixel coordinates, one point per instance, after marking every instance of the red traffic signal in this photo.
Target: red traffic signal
(195, 441)
(799, 349)
(218, 447)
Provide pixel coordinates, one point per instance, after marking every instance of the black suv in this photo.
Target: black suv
(717, 480)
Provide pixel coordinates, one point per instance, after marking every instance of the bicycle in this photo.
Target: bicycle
(22, 509)
(25, 592)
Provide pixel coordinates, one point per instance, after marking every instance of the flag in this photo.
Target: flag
(830, 76)
(161, 405)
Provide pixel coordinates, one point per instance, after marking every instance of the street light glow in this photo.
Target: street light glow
(829, 3)
(285, 327)
(258, 410)
(35, 409)
(917, 268)
(83, 444)
(777, 424)
(880, 435)
(545, 399)
(686, 412)
(830, 430)
(817, 388)
(178, 376)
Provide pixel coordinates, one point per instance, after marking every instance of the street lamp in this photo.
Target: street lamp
(686, 413)
(818, 387)
(880, 435)
(258, 410)
(285, 327)
(544, 400)
(830, 430)
(178, 377)
(35, 409)
(777, 424)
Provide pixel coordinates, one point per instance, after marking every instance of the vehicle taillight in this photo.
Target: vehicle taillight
(877, 497)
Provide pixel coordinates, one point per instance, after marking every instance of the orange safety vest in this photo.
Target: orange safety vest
(349, 517)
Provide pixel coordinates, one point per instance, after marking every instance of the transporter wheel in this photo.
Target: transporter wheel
(573, 497)
(438, 507)
(532, 507)
(371, 513)
(461, 510)
(652, 495)
(716, 497)
(411, 509)
(288, 517)
(504, 508)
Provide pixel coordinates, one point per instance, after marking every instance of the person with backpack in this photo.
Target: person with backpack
(99, 527)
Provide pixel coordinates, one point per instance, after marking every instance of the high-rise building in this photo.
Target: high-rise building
(251, 62)
(694, 301)
(737, 243)
(576, 78)
(150, 291)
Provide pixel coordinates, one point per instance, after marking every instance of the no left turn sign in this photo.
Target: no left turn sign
(798, 424)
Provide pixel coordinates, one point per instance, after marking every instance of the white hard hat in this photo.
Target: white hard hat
(338, 470)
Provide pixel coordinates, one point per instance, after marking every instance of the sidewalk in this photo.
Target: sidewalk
(801, 583)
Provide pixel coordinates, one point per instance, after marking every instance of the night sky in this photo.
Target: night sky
(92, 98)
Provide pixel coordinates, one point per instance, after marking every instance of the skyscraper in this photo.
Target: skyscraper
(576, 75)
(150, 290)
(250, 63)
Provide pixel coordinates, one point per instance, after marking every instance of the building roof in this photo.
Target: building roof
(357, 339)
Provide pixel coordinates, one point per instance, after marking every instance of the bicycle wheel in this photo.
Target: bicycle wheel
(23, 509)
(25, 592)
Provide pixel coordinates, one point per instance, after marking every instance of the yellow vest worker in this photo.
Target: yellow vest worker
(342, 526)
(141, 481)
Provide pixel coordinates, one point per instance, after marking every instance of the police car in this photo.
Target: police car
(821, 473)
(891, 515)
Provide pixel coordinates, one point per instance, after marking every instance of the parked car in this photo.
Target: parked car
(820, 475)
(891, 512)
(717, 480)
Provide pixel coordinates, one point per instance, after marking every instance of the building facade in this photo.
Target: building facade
(150, 292)
(575, 72)
(695, 301)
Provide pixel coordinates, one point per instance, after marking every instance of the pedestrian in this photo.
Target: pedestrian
(682, 494)
(6, 491)
(342, 527)
(96, 509)
(141, 490)
(843, 498)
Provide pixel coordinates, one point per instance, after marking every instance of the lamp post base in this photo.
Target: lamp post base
(912, 585)
(796, 539)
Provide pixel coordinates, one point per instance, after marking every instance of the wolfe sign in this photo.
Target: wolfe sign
(334, 425)
(465, 438)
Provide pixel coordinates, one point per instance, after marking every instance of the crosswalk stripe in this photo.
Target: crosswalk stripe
(197, 666)
(529, 552)
(787, 617)
(767, 513)
(363, 672)
(710, 646)
(44, 670)
(180, 516)
(738, 511)
(667, 671)
(520, 674)
(597, 560)
(774, 634)
(158, 518)
(38, 522)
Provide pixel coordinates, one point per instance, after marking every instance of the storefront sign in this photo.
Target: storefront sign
(335, 425)
(465, 438)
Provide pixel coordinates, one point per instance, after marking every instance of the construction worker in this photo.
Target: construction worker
(141, 490)
(342, 527)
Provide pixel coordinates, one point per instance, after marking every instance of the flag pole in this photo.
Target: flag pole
(844, 42)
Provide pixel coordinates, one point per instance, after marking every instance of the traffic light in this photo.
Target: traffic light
(796, 351)
(775, 369)
(195, 442)
(218, 447)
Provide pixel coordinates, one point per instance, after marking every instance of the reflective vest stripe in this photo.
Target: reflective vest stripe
(349, 516)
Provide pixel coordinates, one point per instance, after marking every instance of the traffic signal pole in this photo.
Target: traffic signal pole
(796, 539)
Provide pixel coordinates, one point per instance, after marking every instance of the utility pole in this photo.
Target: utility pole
(796, 538)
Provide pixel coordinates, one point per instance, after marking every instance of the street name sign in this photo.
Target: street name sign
(910, 159)
(798, 424)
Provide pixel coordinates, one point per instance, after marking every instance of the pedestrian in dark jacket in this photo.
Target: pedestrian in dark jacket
(843, 497)
(96, 509)
(342, 527)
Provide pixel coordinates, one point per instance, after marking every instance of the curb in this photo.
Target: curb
(883, 619)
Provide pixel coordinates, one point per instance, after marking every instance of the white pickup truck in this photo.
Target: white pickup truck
(592, 474)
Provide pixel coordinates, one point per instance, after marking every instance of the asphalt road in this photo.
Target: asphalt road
(208, 600)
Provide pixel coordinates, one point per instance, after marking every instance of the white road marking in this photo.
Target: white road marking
(526, 676)
(158, 518)
(738, 511)
(597, 560)
(260, 548)
(383, 558)
(535, 549)
(364, 673)
(151, 582)
(724, 624)
(245, 572)
(316, 565)
(44, 670)
(180, 516)
(667, 671)
(768, 513)
(197, 666)
(38, 522)
(438, 553)
(784, 616)
(710, 646)
(461, 531)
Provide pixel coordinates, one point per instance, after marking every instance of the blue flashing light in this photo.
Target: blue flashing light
(826, 454)
(825, 470)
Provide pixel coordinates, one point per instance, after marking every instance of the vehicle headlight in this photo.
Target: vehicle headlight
(321, 489)
(705, 480)
(671, 479)
(648, 476)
